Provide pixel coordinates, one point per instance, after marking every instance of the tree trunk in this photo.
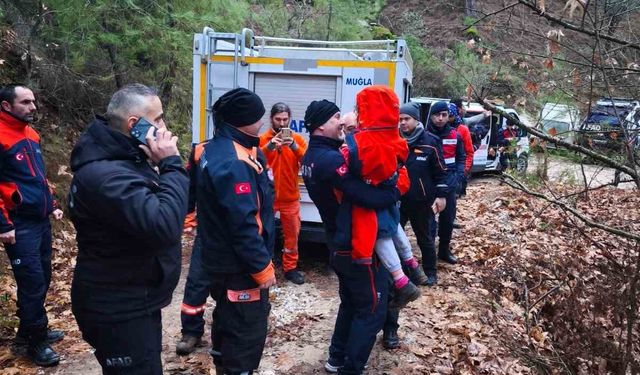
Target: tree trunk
(470, 8)
(166, 87)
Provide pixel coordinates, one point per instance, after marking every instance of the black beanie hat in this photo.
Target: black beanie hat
(239, 107)
(319, 112)
(438, 107)
(411, 109)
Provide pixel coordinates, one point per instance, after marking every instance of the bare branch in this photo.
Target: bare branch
(573, 147)
(573, 27)
(491, 14)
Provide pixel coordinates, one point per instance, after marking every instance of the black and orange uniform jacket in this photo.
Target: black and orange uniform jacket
(326, 177)
(24, 190)
(235, 206)
(128, 218)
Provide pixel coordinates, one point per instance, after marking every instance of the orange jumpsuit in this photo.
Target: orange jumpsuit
(285, 165)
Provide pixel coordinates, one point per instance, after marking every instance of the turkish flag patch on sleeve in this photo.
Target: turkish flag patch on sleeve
(342, 170)
(243, 188)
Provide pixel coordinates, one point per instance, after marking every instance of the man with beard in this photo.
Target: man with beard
(25, 205)
(127, 202)
(284, 150)
(363, 288)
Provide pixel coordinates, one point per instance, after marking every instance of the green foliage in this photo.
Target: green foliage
(412, 23)
(472, 31)
(320, 19)
(427, 69)
(92, 47)
(466, 68)
(381, 33)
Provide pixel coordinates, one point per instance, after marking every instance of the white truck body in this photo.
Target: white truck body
(295, 72)
(560, 120)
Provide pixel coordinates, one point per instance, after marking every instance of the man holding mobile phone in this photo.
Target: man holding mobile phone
(127, 202)
(284, 150)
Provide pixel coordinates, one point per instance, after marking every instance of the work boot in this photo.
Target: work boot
(390, 340)
(333, 365)
(457, 226)
(432, 280)
(42, 354)
(404, 295)
(417, 276)
(187, 344)
(294, 276)
(448, 257)
(53, 335)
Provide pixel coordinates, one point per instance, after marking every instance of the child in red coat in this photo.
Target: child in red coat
(377, 153)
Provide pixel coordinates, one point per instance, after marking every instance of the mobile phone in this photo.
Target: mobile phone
(140, 129)
(285, 133)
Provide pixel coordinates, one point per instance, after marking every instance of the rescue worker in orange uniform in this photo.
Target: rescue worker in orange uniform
(284, 153)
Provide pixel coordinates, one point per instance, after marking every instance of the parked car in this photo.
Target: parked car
(489, 154)
(610, 124)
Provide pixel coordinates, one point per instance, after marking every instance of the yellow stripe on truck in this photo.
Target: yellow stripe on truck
(203, 102)
(391, 66)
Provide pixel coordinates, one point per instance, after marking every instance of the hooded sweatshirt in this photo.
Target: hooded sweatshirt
(375, 153)
(128, 219)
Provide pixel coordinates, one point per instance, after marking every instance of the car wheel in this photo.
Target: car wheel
(522, 163)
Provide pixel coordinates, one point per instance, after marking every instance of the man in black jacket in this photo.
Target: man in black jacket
(430, 182)
(127, 203)
(236, 226)
(363, 288)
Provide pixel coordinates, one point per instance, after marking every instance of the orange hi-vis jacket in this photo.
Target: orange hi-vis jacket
(285, 164)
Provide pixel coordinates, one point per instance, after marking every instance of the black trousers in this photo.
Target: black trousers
(393, 313)
(196, 291)
(421, 217)
(130, 347)
(30, 260)
(363, 305)
(239, 328)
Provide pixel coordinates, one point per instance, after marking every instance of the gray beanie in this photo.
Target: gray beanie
(411, 109)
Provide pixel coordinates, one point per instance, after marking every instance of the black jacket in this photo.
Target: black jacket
(427, 171)
(128, 219)
(234, 204)
(325, 175)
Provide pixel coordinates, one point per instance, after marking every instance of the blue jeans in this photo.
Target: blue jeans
(196, 291)
(363, 306)
(30, 259)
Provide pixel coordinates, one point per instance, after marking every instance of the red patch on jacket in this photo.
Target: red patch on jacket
(243, 188)
(342, 170)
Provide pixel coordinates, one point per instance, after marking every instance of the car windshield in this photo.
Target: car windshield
(559, 126)
(606, 115)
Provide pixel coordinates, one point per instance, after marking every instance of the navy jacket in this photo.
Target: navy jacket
(326, 177)
(235, 204)
(453, 152)
(427, 171)
(24, 190)
(128, 219)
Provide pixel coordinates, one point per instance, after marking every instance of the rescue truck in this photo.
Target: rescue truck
(296, 72)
